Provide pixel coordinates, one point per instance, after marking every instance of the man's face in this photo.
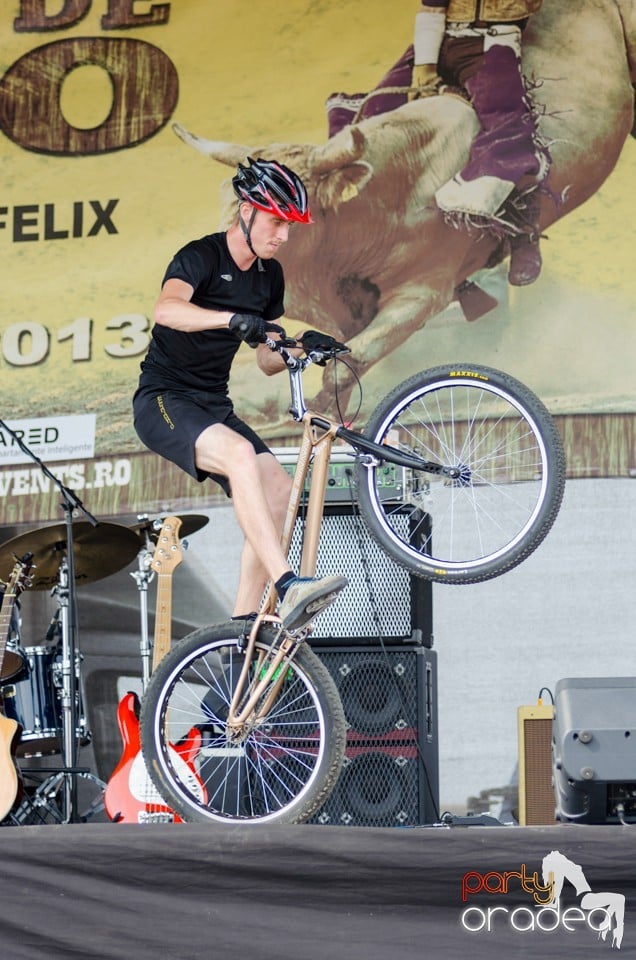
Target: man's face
(268, 232)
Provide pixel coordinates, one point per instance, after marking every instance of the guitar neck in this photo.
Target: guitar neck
(6, 610)
(167, 556)
(163, 619)
(18, 581)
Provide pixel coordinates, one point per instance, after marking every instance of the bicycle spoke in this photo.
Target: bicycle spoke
(260, 768)
(507, 480)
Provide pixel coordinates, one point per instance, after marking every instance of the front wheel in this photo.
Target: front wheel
(508, 483)
(280, 769)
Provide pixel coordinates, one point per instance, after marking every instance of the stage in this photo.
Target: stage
(188, 892)
(103, 891)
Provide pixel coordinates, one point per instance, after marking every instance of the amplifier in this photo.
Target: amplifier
(594, 749)
(383, 600)
(340, 480)
(536, 792)
(404, 601)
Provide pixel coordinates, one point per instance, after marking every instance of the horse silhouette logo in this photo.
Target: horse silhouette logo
(557, 868)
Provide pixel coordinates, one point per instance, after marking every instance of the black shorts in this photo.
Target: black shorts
(169, 423)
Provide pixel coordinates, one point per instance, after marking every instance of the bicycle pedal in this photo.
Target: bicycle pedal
(297, 635)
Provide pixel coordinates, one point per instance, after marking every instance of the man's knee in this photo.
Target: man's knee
(240, 455)
(219, 449)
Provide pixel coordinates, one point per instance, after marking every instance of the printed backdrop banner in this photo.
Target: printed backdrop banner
(110, 113)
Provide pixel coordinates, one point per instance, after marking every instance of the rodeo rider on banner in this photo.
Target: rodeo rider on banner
(476, 45)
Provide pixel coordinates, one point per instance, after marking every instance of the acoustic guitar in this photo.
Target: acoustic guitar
(10, 784)
(130, 795)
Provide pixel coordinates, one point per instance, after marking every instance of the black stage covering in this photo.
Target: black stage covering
(189, 892)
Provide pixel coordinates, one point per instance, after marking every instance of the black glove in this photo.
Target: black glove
(313, 341)
(249, 328)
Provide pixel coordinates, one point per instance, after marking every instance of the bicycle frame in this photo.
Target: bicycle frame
(315, 451)
(319, 434)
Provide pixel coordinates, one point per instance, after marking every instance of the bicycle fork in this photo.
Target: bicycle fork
(271, 666)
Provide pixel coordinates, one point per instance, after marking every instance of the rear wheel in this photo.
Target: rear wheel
(510, 467)
(280, 769)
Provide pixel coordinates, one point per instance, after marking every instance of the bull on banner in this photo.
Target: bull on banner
(99, 193)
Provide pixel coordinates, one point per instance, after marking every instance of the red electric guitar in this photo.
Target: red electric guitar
(130, 795)
(10, 784)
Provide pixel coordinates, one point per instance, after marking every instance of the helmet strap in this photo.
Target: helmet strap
(247, 230)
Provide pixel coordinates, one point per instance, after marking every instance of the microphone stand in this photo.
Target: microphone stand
(66, 591)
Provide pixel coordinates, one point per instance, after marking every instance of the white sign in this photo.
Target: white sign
(49, 438)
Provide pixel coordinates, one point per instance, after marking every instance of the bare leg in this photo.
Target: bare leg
(260, 489)
(253, 575)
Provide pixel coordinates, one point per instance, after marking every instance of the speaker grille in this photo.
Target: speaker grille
(390, 774)
(403, 602)
(536, 793)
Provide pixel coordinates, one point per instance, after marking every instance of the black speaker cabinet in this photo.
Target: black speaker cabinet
(594, 749)
(404, 603)
(390, 776)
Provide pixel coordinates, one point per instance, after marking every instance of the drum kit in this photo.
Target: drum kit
(41, 686)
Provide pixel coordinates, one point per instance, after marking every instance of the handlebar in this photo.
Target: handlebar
(318, 347)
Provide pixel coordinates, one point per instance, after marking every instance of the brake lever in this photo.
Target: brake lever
(320, 357)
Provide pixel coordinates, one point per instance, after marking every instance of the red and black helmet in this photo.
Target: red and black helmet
(272, 187)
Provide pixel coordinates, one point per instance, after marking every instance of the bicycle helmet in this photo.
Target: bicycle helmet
(272, 187)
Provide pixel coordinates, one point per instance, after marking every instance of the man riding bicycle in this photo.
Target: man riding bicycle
(217, 291)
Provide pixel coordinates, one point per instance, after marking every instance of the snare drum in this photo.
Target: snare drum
(14, 663)
(36, 704)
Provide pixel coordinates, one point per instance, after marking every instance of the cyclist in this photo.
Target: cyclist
(217, 291)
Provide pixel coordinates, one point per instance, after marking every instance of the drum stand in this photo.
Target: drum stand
(143, 576)
(70, 772)
(67, 599)
(46, 804)
(56, 797)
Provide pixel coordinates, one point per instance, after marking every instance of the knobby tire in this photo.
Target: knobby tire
(511, 474)
(282, 771)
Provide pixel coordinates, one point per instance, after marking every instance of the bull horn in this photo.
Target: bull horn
(346, 147)
(228, 153)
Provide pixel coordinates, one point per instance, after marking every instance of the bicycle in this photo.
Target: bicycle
(480, 471)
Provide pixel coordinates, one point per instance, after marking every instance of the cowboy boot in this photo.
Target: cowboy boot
(525, 255)
(503, 152)
(525, 260)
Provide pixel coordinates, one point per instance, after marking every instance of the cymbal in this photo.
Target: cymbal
(190, 523)
(97, 552)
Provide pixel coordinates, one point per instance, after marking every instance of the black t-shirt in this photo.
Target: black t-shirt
(202, 360)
